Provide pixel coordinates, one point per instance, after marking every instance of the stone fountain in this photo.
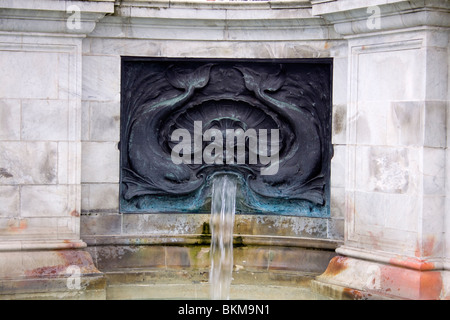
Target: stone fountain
(226, 136)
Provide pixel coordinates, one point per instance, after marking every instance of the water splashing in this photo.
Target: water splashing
(223, 205)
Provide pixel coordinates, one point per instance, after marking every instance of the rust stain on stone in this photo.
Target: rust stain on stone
(68, 258)
(430, 285)
(47, 271)
(411, 284)
(18, 226)
(336, 266)
(74, 213)
(412, 263)
(71, 244)
(426, 248)
(74, 257)
(354, 294)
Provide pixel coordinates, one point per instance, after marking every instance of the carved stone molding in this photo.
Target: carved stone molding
(52, 17)
(352, 18)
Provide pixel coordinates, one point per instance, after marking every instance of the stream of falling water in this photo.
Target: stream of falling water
(223, 202)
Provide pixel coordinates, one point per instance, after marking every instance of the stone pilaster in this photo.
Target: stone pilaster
(40, 143)
(395, 193)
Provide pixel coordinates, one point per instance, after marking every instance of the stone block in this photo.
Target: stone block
(68, 78)
(68, 228)
(28, 162)
(338, 163)
(100, 224)
(436, 82)
(432, 225)
(369, 209)
(435, 124)
(405, 124)
(32, 74)
(386, 169)
(85, 120)
(100, 162)
(101, 78)
(339, 126)
(434, 171)
(179, 257)
(12, 228)
(69, 162)
(100, 198)
(390, 73)
(105, 121)
(9, 201)
(271, 225)
(299, 259)
(40, 230)
(169, 224)
(255, 257)
(45, 201)
(125, 47)
(10, 119)
(402, 212)
(337, 202)
(44, 120)
(336, 228)
(111, 258)
(371, 128)
(446, 226)
(340, 74)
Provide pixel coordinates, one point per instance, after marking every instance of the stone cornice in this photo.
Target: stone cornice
(215, 20)
(218, 4)
(216, 10)
(51, 16)
(355, 17)
(349, 17)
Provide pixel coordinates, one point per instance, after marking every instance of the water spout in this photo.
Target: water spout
(223, 203)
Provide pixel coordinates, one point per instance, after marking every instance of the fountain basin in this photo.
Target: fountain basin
(177, 267)
(194, 285)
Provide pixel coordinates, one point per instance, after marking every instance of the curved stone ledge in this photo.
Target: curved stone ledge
(41, 245)
(404, 261)
(202, 239)
(50, 274)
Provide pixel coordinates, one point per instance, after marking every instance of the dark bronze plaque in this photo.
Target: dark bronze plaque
(268, 122)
